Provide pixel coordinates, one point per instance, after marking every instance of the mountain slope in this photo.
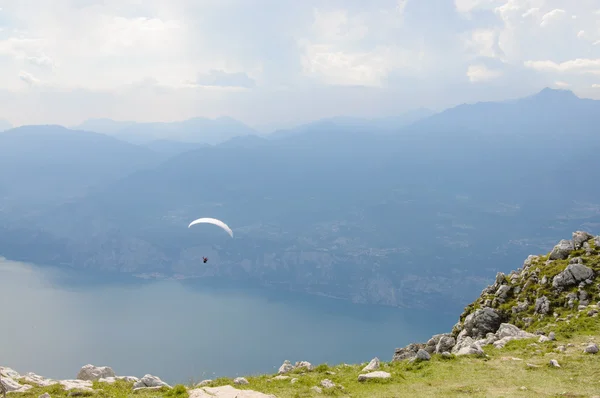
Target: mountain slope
(196, 130)
(41, 165)
(355, 124)
(416, 218)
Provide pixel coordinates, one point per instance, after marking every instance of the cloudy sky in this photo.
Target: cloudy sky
(275, 62)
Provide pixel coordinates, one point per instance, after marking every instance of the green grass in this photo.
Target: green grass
(496, 375)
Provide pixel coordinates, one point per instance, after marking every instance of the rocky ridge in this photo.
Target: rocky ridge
(546, 299)
(560, 288)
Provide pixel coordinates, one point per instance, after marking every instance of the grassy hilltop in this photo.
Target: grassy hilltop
(530, 334)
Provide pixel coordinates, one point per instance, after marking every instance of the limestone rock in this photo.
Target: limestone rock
(591, 348)
(572, 275)
(226, 392)
(373, 365)
(482, 321)
(77, 384)
(92, 373)
(374, 375)
(150, 381)
(240, 381)
(562, 250)
(286, 367)
(423, 355)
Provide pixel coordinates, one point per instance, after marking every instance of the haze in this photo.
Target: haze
(275, 63)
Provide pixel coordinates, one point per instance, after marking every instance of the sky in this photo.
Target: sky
(275, 63)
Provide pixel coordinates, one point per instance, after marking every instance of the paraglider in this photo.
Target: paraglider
(213, 221)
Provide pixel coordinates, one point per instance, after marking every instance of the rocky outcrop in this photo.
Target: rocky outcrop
(287, 366)
(513, 302)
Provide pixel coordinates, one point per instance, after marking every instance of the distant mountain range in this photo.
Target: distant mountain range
(413, 215)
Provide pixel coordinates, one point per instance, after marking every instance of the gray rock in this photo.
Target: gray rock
(150, 381)
(240, 381)
(542, 305)
(77, 384)
(423, 355)
(520, 307)
(554, 363)
(482, 321)
(446, 354)
(410, 351)
(530, 260)
(579, 238)
(10, 385)
(45, 395)
(507, 332)
(39, 380)
(316, 389)
(92, 373)
(591, 348)
(445, 344)
(502, 293)
(373, 365)
(326, 383)
(562, 250)
(552, 336)
(473, 349)
(226, 392)
(286, 367)
(374, 375)
(573, 274)
(8, 372)
(303, 365)
(571, 297)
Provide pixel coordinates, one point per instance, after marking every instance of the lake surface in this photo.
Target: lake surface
(55, 321)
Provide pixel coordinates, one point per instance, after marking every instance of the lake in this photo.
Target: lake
(55, 321)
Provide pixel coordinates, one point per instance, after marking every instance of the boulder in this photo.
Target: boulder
(572, 275)
(562, 250)
(92, 373)
(149, 381)
(373, 365)
(374, 375)
(481, 322)
(226, 392)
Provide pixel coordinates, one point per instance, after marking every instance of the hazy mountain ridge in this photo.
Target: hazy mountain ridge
(404, 220)
(194, 131)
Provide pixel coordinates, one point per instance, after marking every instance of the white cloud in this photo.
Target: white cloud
(579, 65)
(28, 78)
(552, 16)
(562, 84)
(595, 85)
(484, 43)
(481, 73)
(220, 78)
(295, 59)
(368, 68)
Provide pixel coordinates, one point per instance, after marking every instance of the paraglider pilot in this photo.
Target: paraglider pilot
(204, 259)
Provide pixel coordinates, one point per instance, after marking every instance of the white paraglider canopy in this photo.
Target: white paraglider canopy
(213, 221)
